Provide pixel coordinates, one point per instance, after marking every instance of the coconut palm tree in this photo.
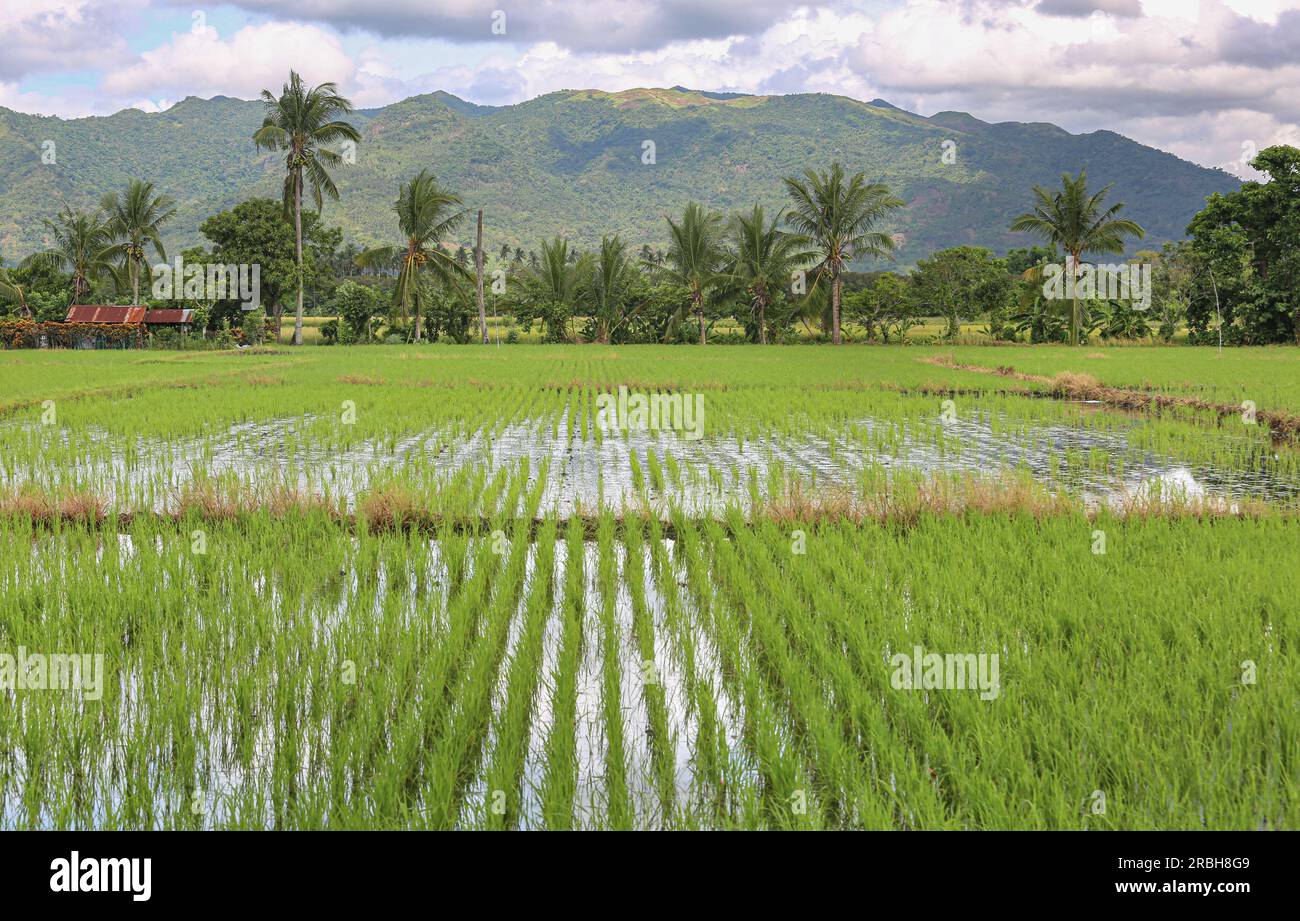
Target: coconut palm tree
(695, 260)
(553, 288)
(426, 215)
(299, 121)
(82, 246)
(763, 260)
(1075, 221)
(10, 290)
(608, 285)
(135, 218)
(835, 216)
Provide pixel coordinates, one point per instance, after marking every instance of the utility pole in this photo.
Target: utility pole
(478, 281)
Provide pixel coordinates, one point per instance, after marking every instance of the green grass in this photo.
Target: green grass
(497, 615)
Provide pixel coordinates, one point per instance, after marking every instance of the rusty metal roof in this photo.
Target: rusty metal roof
(168, 316)
(100, 313)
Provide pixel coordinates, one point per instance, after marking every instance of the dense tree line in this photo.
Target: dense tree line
(1234, 280)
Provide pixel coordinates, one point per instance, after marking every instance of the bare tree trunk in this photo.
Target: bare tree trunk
(1074, 299)
(835, 308)
(478, 271)
(297, 228)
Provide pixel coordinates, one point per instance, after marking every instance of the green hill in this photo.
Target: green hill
(571, 163)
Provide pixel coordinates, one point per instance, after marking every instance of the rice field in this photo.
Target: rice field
(464, 588)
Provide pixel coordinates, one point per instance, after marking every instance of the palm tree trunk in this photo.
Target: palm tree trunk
(762, 321)
(297, 229)
(835, 308)
(1074, 300)
(478, 281)
(699, 311)
(135, 283)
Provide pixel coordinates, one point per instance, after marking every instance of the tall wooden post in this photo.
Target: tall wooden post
(478, 281)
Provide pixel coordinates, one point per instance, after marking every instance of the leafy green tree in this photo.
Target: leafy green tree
(1245, 243)
(82, 246)
(1075, 221)
(886, 306)
(255, 232)
(426, 215)
(962, 283)
(696, 260)
(300, 121)
(12, 291)
(135, 217)
(763, 260)
(836, 217)
(357, 305)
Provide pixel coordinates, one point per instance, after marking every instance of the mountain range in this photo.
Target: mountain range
(574, 163)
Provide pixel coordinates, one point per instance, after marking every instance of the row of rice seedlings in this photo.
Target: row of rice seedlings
(618, 806)
(715, 781)
(659, 747)
(560, 780)
(773, 613)
(512, 724)
(783, 798)
(453, 758)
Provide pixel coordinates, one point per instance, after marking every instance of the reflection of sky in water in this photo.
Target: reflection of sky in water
(715, 471)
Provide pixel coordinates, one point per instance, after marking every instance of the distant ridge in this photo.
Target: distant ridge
(571, 163)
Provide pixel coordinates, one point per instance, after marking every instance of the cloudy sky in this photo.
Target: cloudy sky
(1209, 80)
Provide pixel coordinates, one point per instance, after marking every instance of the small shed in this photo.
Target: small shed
(100, 313)
(105, 315)
(111, 315)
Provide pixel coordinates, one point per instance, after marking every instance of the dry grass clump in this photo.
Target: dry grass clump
(81, 506)
(225, 501)
(390, 507)
(1075, 385)
(361, 380)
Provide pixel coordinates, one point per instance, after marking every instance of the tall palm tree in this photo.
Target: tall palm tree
(695, 258)
(136, 218)
(835, 216)
(82, 246)
(1075, 221)
(299, 121)
(10, 290)
(611, 278)
(764, 259)
(426, 215)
